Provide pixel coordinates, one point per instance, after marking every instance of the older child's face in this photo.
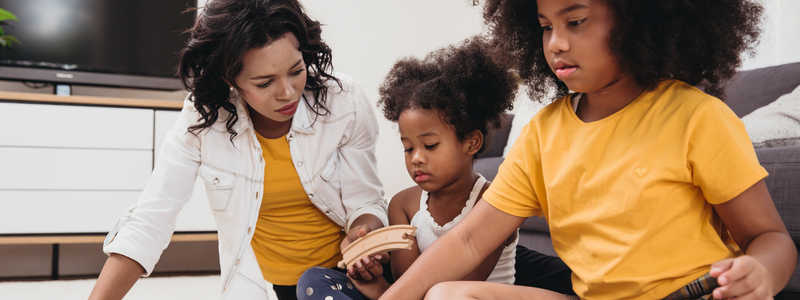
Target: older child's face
(434, 156)
(273, 78)
(575, 37)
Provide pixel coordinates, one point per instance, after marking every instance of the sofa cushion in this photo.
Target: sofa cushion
(535, 224)
(776, 124)
(751, 89)
(783, 182)
(498, 138)
(487, 166)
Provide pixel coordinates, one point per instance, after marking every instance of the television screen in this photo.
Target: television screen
(101, 42)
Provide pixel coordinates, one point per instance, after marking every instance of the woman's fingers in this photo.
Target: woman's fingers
(354, 234)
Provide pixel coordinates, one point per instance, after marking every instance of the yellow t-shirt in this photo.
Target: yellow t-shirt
(628, 198)
(292, 234)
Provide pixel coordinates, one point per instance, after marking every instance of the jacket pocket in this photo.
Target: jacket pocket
(219, 187)
(330, 173)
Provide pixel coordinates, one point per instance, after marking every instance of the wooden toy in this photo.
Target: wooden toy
(382, 240)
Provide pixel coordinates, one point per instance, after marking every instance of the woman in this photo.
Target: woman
(273, 134)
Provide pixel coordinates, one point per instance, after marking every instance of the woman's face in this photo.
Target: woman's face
(273, 78)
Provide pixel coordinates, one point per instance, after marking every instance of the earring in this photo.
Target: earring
(234, 93)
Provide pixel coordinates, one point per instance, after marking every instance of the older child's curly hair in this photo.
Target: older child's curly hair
(695, 41)
(463, 83)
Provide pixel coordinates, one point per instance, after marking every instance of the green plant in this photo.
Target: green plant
(6, 40)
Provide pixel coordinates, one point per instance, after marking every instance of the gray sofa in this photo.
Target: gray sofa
(746, 92)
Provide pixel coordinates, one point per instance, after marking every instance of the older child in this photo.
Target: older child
(646, 182)
(445, 106)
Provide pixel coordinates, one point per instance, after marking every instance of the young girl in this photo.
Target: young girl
(445, 106)
(646, 182)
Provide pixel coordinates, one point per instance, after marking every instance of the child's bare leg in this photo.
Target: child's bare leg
(488, 290)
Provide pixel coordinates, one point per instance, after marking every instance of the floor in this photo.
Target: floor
(156, 288)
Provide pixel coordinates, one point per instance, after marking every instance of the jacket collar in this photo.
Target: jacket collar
(304, 117)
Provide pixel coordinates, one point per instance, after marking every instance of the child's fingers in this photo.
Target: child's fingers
(743, 288)
(373, 266)
(721, 266)
(363, 266)
(351, 271)
(383, 257)
(740, 267)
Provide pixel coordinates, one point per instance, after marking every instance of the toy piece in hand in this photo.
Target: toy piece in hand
(382, 240)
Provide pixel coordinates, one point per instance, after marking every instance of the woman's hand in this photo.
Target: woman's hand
(355, 233)
(742, 277)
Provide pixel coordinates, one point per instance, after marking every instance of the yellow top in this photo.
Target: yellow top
(292, 234)
(628, 198)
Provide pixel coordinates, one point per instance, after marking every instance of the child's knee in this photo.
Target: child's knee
(448, 290)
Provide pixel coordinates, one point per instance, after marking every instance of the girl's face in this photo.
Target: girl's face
(435, 158)
(575, 36)
(273, 78)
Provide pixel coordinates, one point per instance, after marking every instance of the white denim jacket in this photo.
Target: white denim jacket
(326, 151)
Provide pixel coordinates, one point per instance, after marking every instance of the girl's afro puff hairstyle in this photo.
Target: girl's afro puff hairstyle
(695, 41)
(468, 88)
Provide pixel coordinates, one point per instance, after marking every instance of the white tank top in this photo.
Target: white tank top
(428, 231)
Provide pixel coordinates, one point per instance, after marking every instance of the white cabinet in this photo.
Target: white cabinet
(76, 169)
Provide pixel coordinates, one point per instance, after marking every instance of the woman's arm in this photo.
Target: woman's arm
(150, 223)
(362, 191)
(117, 277)
(770, 255)
(456, 253)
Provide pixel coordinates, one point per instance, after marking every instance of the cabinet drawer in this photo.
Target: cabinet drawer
(44, 125)
(74, 169)
(36, 212)
(27, 212)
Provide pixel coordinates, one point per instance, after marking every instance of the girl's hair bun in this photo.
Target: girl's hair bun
(469, 89)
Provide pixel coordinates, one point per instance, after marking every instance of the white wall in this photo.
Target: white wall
(780, 38)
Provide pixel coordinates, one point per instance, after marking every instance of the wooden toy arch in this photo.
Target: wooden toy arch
(382, 240)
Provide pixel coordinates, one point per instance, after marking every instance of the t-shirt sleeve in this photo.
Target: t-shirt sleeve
(512, 190)
(720, 154)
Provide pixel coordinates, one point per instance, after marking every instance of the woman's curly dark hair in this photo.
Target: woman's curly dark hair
(695, 41)
(225, 30)
(463, 83)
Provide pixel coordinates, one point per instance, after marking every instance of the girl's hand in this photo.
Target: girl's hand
(367, 269)
(742, 277)
(367, 275)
